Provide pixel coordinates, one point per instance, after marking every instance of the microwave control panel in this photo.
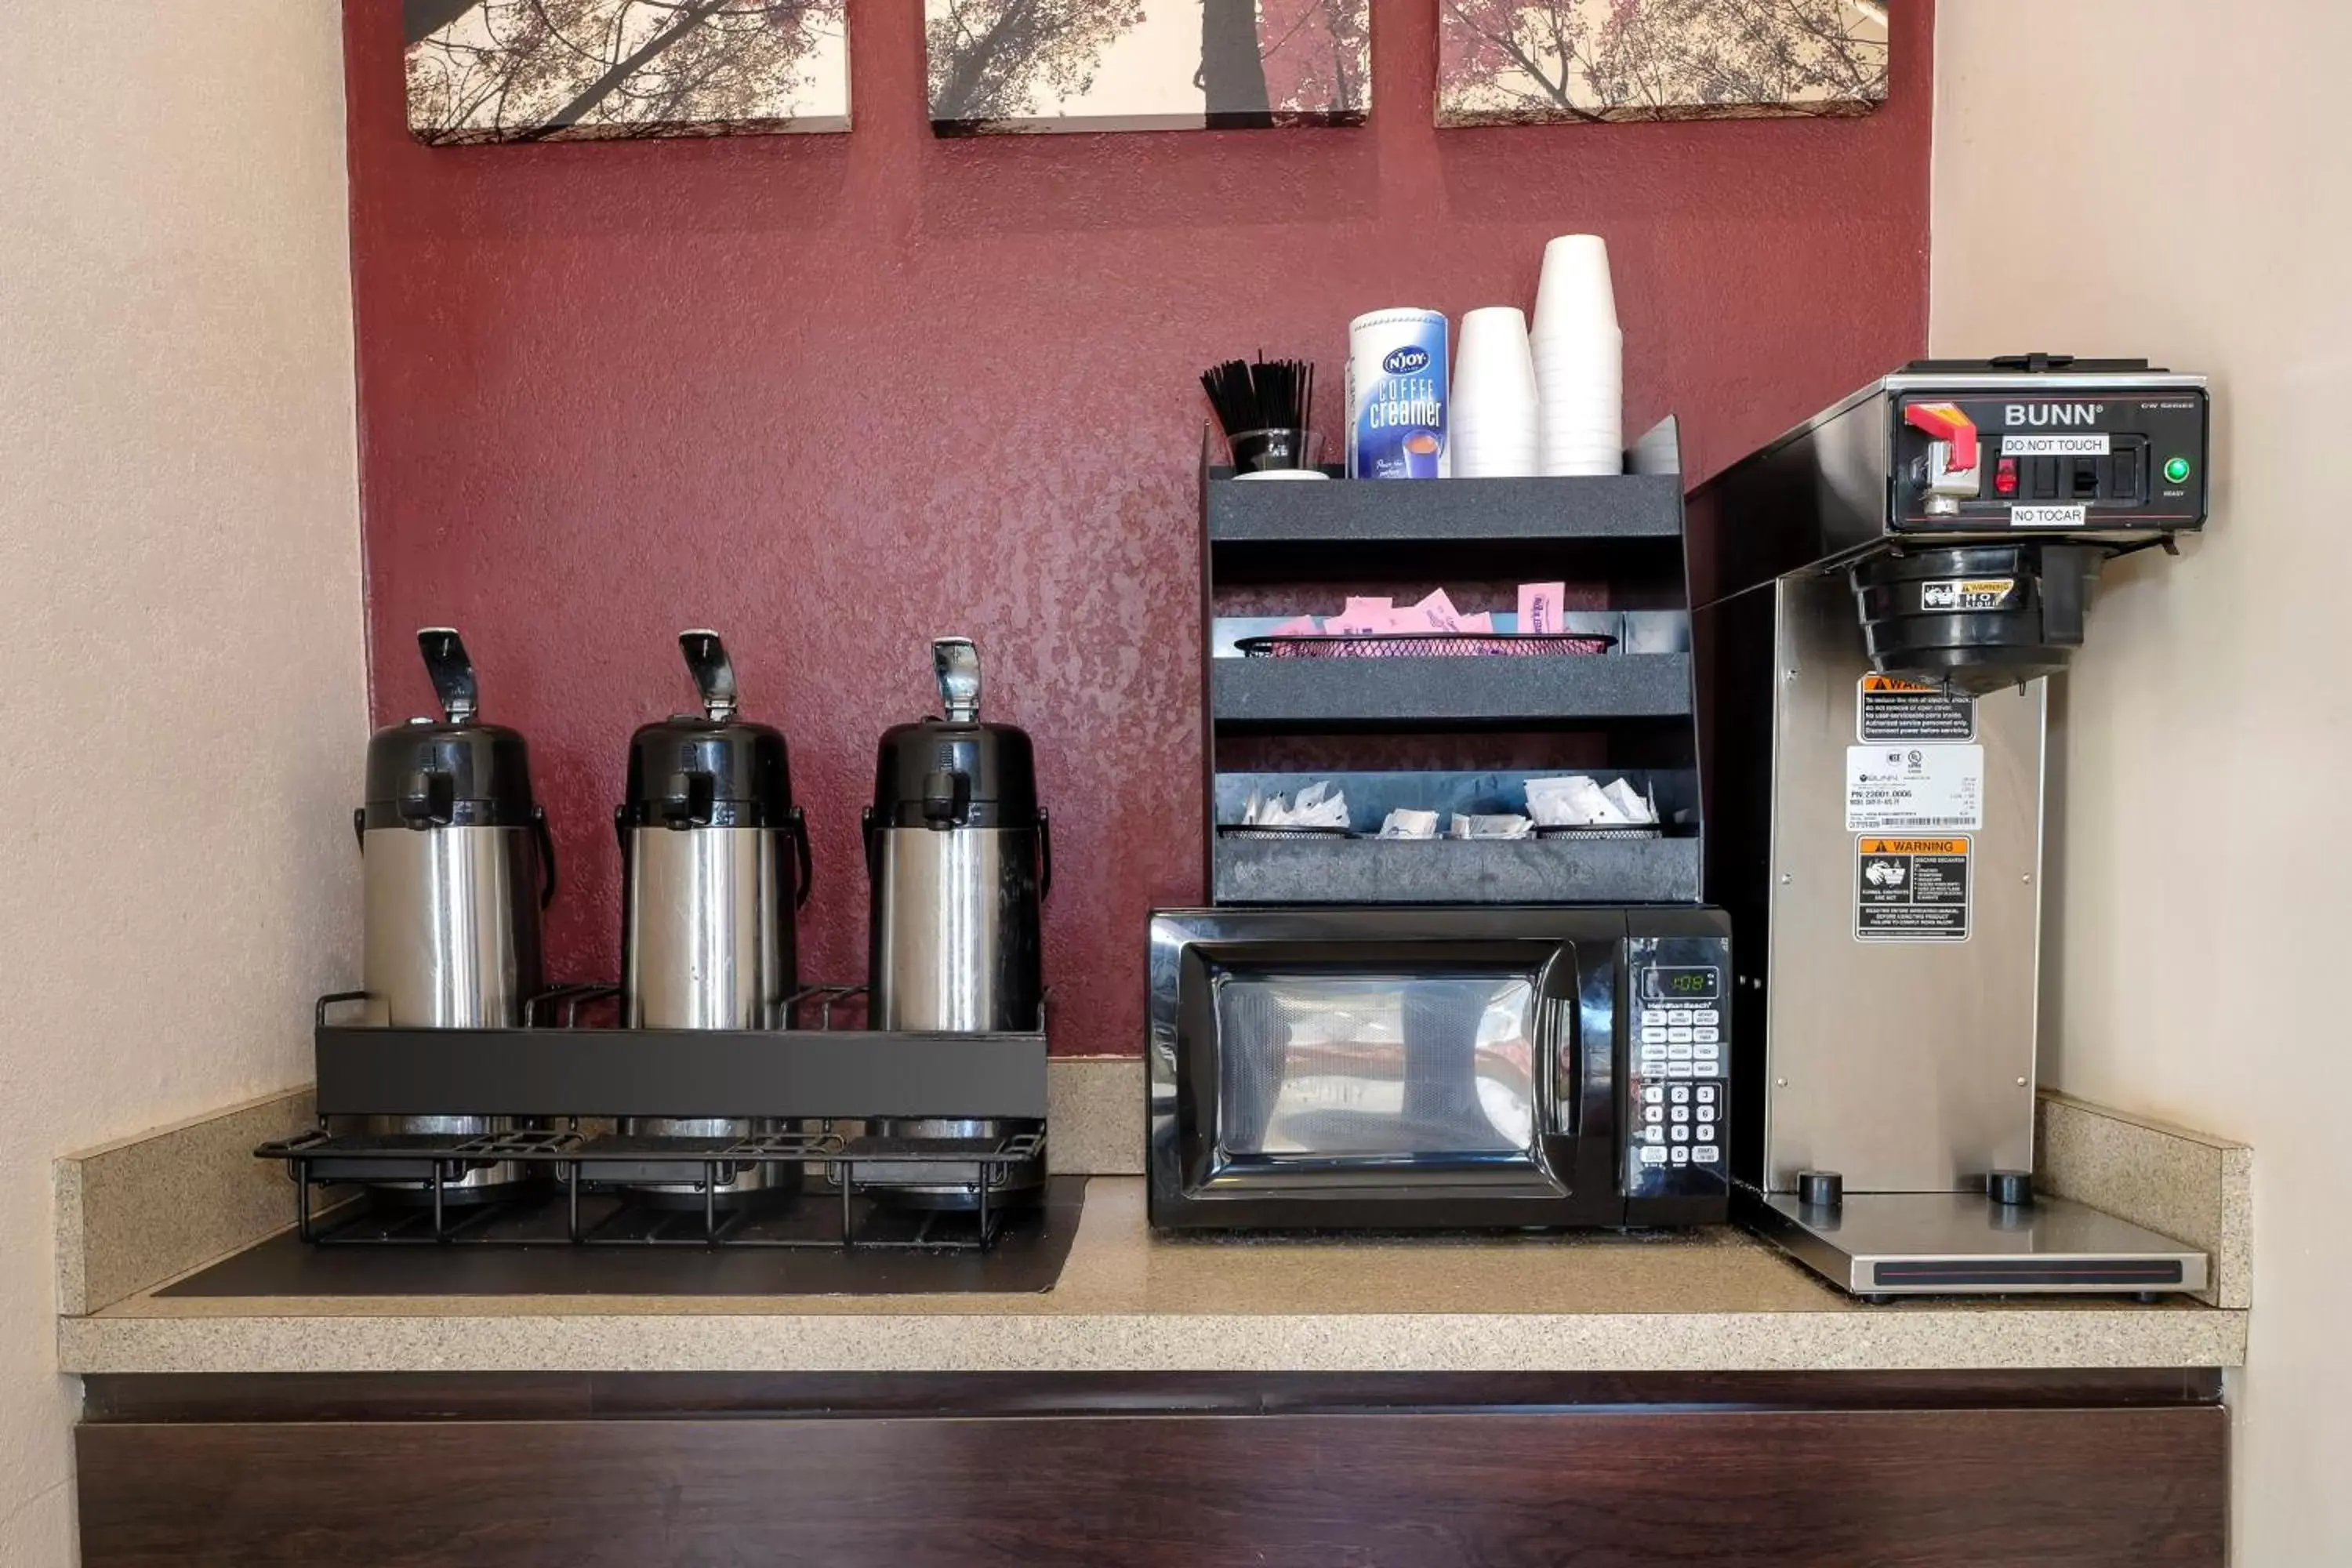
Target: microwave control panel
(1677, 1106)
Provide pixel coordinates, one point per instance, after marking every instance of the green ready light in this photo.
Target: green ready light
(2176, 471)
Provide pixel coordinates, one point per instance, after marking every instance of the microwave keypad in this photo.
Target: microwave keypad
(1677, 1078)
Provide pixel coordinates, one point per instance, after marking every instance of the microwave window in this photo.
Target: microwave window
(1369, 1066)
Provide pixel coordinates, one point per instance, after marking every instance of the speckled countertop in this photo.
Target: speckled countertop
(1714, 1300)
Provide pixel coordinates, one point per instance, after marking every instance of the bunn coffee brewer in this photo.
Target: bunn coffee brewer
(458, 865)
(710, 839)
(1880, 595)
(956, 847)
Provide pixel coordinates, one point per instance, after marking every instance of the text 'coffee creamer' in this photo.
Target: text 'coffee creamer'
(1396, 395)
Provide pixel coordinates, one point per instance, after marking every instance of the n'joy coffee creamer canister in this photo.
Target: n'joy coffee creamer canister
(1396, 395)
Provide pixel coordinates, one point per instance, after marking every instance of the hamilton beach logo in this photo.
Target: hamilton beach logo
(1404, 362)
(2053, 413)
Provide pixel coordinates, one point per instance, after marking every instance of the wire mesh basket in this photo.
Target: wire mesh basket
(1253, 830)
(1428, 644)
(1594, 832)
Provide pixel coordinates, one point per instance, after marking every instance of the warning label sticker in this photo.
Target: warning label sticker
(1969, 593)
(1911, 890)
(1886, 708)
(2049, 516)
(2087, 446)
(1914, 789)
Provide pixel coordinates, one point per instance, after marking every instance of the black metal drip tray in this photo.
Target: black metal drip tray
(522, 1249)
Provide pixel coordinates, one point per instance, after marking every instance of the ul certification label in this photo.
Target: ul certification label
(1914, 789)
(1911, 890)
(1891, 710)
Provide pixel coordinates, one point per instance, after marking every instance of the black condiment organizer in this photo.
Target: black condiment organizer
(560, 1072)
(1269, 548)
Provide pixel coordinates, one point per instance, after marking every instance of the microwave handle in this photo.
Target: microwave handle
(1579, 1045)
(1597, 1054)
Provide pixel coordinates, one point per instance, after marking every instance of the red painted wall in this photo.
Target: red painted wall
(834, 395)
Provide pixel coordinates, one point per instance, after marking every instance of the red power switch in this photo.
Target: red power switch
(2004, 477)
(1946, 423)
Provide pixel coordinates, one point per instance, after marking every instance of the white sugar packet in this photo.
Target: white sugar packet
(1635, 807)
(1510, 826)
(1319, 805)
(1574, 800)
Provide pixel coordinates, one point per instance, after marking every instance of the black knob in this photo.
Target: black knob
(428, 798)
(1821, 1189)
(2009, 1189)
(947, 797)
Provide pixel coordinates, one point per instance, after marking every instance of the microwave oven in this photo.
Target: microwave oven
(1469, 1067)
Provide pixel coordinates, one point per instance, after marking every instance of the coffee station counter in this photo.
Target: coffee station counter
(1685, 1396)
(1716, 1301)
(1711, 1301)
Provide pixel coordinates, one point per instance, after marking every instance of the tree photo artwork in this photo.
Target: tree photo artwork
(1540, 62)
(545, 71)
(1013, 66)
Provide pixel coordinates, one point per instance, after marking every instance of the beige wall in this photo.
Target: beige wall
(2186, 195)
(182, 699)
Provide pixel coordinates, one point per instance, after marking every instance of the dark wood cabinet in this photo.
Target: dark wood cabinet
(1924, 1472)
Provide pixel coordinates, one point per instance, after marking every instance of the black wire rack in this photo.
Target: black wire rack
(584, 1189)
(811, 1173)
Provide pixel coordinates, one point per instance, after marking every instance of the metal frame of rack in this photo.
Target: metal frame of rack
(563, 1072)
(319, 1159)
(569, 1070)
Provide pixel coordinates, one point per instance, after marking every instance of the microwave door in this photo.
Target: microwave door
(1433, 1075)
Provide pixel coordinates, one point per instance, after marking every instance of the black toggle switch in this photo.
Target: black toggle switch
(2127, 475)
(2041, 477)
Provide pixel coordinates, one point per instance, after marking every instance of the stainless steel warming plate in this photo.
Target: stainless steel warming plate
(1943, 1244)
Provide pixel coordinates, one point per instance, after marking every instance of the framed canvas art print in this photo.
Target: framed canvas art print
(1000, 66)
(1533, 62)
(548, 71)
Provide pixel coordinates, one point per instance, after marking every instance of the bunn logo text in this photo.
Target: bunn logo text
(2053, 413)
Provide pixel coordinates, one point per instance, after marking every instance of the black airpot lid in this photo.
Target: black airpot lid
(956, 772)
(942, 774)
(708, 769)
(453, 770)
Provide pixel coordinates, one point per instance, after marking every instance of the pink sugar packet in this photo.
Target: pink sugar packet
(1363, 617)
(1482, 624)
(1440, 612)
(1539, 606)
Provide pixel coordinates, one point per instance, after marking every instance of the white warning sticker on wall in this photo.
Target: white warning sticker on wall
(1914, 789)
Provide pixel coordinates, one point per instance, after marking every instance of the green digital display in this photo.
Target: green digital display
(1681, 985)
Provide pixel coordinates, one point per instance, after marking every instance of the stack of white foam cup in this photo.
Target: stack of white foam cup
(1578, 354)
(1494, 416)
